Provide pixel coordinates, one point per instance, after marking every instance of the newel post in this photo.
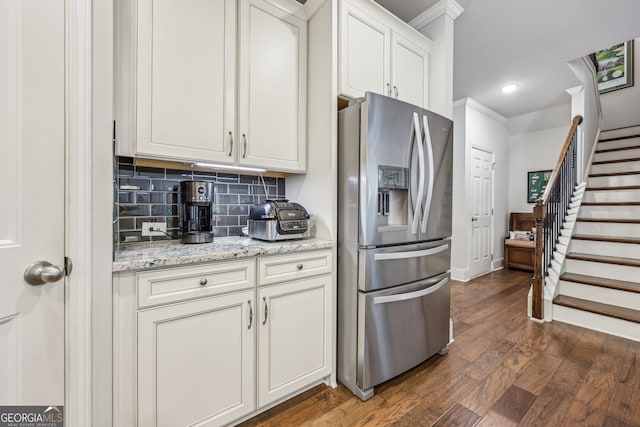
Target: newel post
(538, 268)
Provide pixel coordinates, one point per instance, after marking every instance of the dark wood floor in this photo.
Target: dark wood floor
(502, 370)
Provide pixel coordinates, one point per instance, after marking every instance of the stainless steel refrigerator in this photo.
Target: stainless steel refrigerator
(395, 165)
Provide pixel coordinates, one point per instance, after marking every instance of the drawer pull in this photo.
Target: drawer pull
(266, 310)
(203, 281)
(300, 266)
(250, 315)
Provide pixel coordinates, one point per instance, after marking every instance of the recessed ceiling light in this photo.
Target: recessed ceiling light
(510, 88)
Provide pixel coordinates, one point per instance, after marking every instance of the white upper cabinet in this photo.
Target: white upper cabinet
(381, 54)
(364, 53)
(272, 88)
(220, 81)
(410, 63)
(186, 78)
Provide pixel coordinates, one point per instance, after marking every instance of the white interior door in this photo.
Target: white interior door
(32, 194)
(481, 217)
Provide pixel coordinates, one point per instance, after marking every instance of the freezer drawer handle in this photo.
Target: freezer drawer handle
(410, 254)
(410, 295)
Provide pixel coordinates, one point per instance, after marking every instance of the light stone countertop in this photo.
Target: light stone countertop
(143, 256)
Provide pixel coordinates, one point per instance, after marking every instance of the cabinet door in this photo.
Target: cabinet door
(365, 58)
(294, 338)
(272, 88)
(410, 71)
(186, 79)
(196, 361)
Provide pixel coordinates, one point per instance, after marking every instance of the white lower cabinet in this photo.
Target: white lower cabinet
(294, 336)
(216, 343)
(196, 362)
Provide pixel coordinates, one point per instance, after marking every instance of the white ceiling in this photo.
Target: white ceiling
(528, 42)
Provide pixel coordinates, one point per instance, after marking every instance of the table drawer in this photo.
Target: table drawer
(280, 268)
(185, 283)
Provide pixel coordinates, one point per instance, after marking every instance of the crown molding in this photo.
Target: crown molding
(574, 90)
(480, 108)
(451, 8)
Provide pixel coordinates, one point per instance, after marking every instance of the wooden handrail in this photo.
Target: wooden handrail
(577, 120)
(549, 217)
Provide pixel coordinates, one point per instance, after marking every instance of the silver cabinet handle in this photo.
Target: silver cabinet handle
(266, 310)
(474, 218)
(244, 145)
(410, 295)
(41, 272)
(250, 315)
(395, 91)
(203, 282)
(299, 266)
(430, 171)
(230, 143)
(388, 89)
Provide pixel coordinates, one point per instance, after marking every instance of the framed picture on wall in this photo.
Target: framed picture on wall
(536, 184)
(615, 67)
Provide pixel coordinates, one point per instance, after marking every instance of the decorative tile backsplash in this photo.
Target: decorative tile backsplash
(146, 194)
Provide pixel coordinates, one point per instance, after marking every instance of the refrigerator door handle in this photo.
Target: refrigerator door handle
(410, 254)
(411, 295)
(418, 205)
(427, 205)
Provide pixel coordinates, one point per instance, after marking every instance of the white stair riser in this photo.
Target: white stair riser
(615, 155)
(625, 212)
(607, 229)
(596, 322)
(602, 295)
(616, 167)
(612, 196)
(601, 269)
(611, 181)
(623, 250)
(620, 143)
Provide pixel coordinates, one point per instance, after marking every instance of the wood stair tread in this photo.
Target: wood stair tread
(598, 308)
(611, 220)
(610, 203)
(601, 175)
(619, 138)
(631, 262)
(602, 282)
(610, 150)
(612, 239)
(614, 187)
(606, 162)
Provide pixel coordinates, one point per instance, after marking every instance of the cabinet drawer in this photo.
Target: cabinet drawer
(275, 269)
(179, 284)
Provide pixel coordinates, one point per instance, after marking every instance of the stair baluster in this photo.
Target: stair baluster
(550, 213)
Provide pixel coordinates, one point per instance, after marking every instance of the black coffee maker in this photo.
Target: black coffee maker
(195, 201)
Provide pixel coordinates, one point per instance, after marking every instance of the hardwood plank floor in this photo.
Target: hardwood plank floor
(502, 370)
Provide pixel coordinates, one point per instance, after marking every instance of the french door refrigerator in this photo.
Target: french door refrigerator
(395, 163)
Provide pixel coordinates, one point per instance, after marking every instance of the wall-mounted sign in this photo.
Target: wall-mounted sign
(536, 184)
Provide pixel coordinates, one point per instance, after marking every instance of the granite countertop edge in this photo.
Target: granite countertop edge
(145, 256)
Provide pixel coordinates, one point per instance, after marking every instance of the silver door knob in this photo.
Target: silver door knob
(474, 218)
(41, 272)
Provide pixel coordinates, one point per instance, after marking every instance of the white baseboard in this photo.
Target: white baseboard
(459, 274)
(497, 264)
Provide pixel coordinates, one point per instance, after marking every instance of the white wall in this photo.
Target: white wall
(317, 189)
(482, 128)
(621, 108)
(531, 151)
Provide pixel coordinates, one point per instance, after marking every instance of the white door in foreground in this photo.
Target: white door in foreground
(32, 201)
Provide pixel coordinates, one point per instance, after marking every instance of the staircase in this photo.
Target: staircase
(599, 287)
